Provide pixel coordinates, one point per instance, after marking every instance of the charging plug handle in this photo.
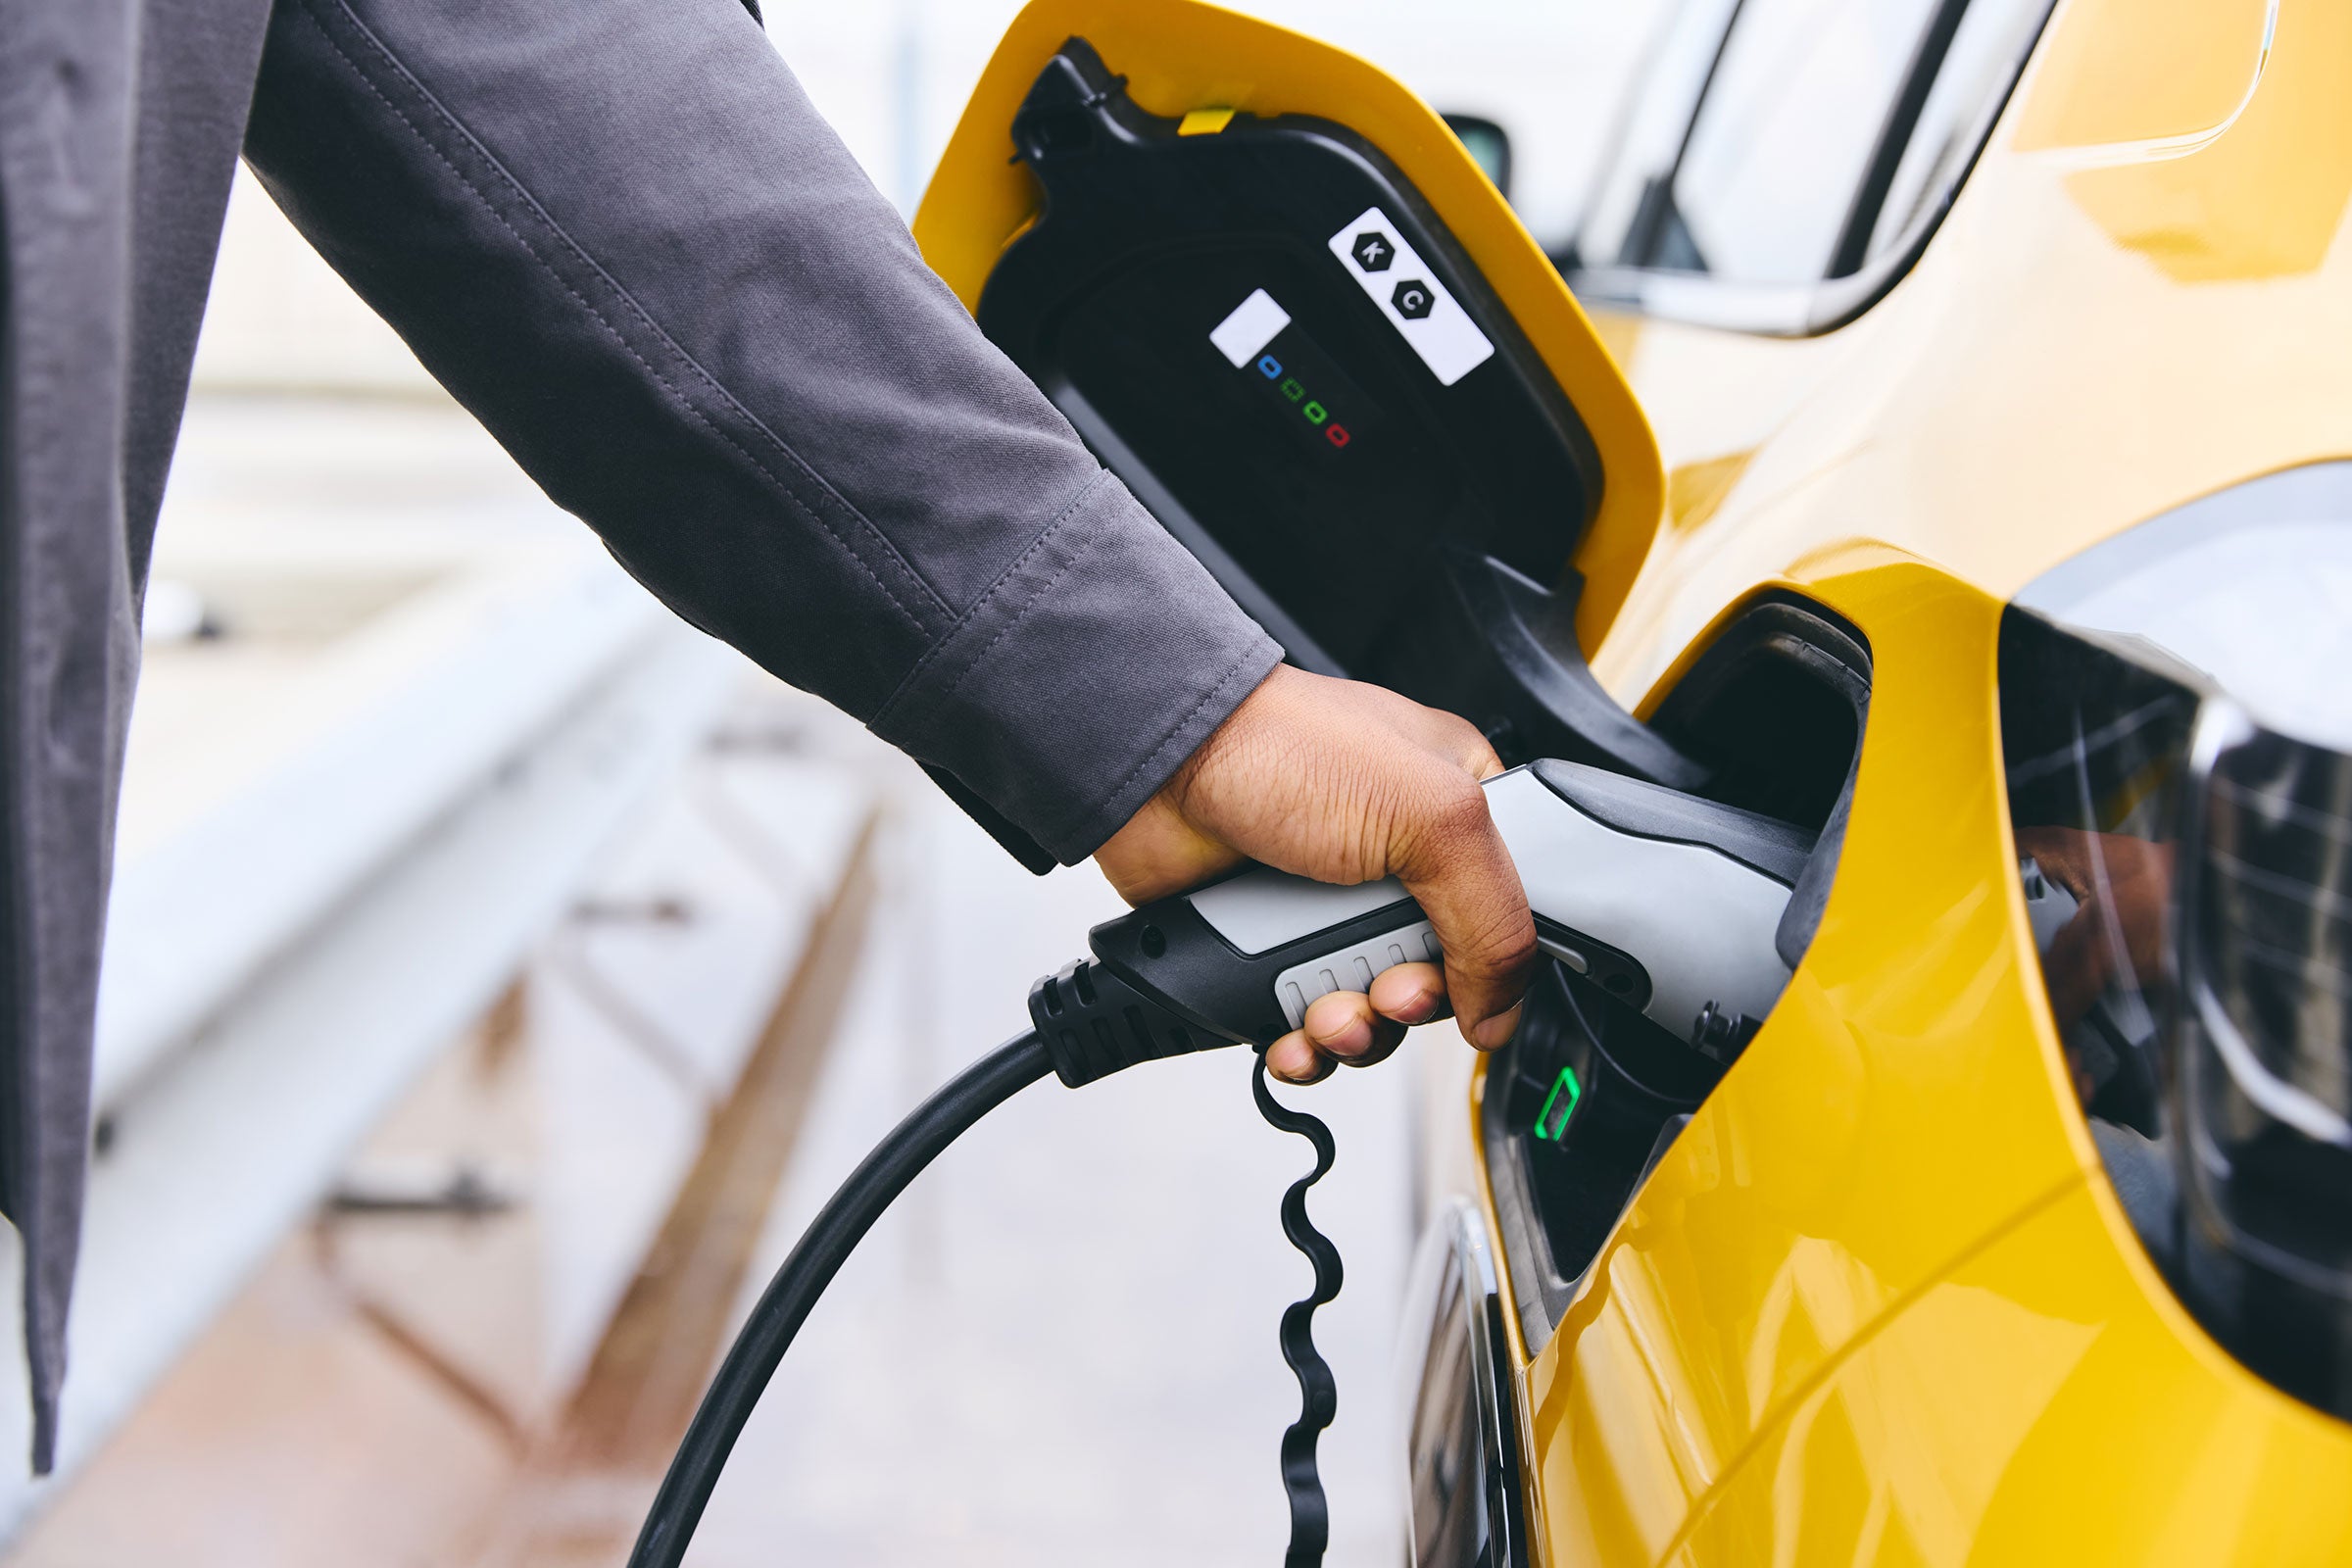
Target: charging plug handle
(1093, 1023)
(1163, 981)
(1665, 902)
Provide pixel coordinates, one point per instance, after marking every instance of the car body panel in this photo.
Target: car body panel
(1900, 1103)
(2093, 336)
(2046, 1401)
(1882, 1273)
(1880, 1285)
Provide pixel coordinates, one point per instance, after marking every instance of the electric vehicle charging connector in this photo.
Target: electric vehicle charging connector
(1665, 902)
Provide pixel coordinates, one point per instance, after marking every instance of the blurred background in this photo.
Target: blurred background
(501, 973)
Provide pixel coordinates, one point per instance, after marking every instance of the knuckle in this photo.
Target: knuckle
(1497, 942)
(1448, 819)
(1461, 809)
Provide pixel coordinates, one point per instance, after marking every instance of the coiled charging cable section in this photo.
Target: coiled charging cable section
(1074, 999)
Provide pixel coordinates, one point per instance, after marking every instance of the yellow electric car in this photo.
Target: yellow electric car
(1951, 456)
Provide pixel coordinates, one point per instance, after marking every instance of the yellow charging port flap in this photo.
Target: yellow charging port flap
(1213, 77)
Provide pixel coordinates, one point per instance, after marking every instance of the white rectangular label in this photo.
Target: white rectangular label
(1244, 335)
(1410, 296)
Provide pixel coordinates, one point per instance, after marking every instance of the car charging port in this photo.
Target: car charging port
(1594, 1089)
(1590, 1092)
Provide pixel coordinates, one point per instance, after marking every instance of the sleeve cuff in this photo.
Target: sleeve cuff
(1081, 679)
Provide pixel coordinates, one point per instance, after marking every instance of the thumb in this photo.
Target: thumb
(1454, 863)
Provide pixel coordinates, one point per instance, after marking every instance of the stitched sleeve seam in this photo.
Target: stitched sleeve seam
(636, 310)
(987, 600)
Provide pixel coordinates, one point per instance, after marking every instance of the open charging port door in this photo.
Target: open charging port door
(1280, 301)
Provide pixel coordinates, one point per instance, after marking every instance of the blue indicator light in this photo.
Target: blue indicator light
(1268, 367)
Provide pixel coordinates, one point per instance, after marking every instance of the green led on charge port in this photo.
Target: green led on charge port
(1545, 1128)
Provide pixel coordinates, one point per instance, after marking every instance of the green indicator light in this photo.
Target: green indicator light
(1293, 390)
(1545, 1128)
(1314, 413)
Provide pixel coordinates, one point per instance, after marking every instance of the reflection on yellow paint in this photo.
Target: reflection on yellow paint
(2125, 71)
(1695, 490)
(1754, 1258)
(1617, 1474)
(1819, 1299)
(2266, 198)
(2030, 1408)
(1916, 1429)
(1863, 1310)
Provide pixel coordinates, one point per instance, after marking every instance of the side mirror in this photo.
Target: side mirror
(1488, 144)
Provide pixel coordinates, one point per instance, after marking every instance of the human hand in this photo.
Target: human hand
(1345, 782)
(2122, 888)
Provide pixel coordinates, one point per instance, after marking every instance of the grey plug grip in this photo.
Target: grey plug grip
(1698, 919)
(1651, 882)
(1352, 967)
(1265, 910)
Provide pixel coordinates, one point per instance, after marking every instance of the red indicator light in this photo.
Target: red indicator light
(1337, 434)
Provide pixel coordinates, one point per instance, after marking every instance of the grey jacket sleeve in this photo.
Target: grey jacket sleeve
(618, 232)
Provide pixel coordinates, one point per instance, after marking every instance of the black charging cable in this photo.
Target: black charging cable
(1076, 1041)
(784, 1306)
(1318, 1390)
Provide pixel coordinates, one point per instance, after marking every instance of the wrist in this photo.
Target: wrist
(1163, 847)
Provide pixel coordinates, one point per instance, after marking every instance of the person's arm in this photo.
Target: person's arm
(617, 230)
(619, 234)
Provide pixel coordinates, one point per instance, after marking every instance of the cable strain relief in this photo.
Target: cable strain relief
(1095, 1024)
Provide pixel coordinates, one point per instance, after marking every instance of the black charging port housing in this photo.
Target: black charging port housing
(1589, 1094)
(1243, 323)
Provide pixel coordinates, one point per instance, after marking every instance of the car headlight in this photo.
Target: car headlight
(2177, 728)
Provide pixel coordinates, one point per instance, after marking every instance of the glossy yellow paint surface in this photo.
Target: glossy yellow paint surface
(2100, 330)
(1877, 1304)
(2113, 71)
(2260, 195)
(1900, 1103)
(2036, 1404)
(1179, 56)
